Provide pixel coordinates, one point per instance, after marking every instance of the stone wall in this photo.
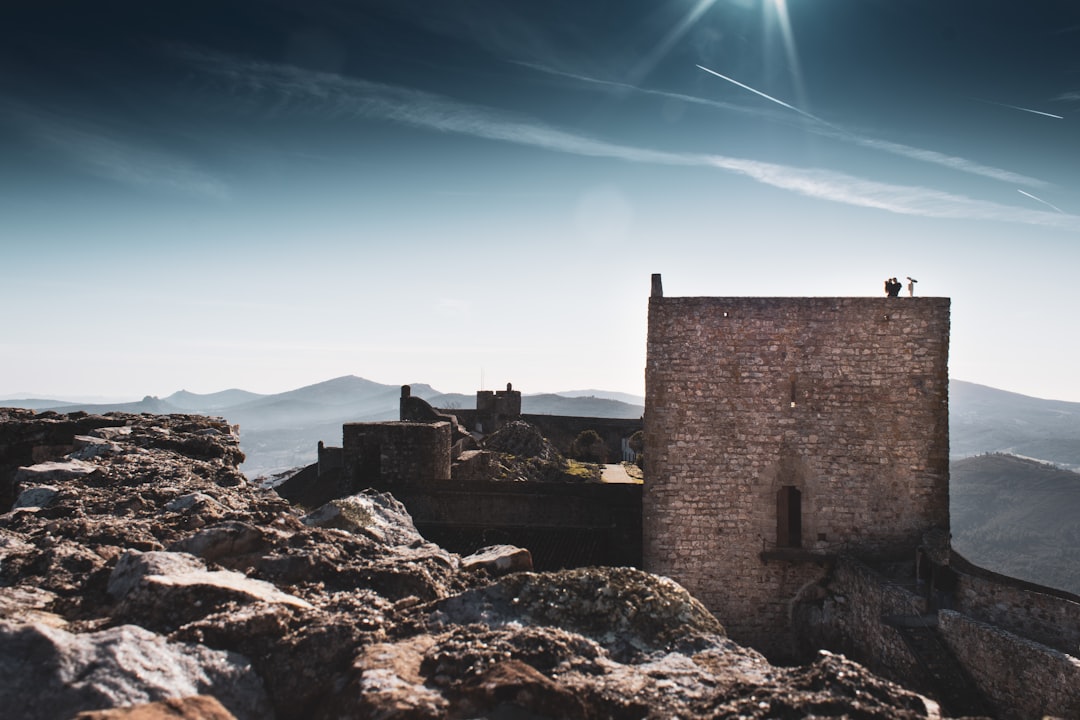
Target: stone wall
(851, 616)
(562, 524)
(778, 429)
(1045, 615)
(1024, 679)
(394, 452)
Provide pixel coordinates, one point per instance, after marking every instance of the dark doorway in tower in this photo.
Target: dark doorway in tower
(789, 517)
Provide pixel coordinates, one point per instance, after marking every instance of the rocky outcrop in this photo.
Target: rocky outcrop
(156, 578)
(519, 452)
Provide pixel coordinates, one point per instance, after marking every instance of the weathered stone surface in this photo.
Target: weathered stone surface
(166, 566)
(625, 610)
(91, 446)
(835, 409)
(522, 439)
(36, 497)
(224, 540)
(53, 472)
(499, 560)
(164, 590)
(50, 673)
(378, 515)
(198, 707)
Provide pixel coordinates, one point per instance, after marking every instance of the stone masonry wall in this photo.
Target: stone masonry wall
(395, 452)
(851, 618)
(1048, 616)
(1024, 679)
(843, 399)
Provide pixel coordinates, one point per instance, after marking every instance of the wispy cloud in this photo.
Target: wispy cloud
(106, 155)
(949, 161)
(818, 126)
(286, 87)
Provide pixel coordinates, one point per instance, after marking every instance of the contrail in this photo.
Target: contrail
(1040, 200)
(767, 97)
(1017, 107)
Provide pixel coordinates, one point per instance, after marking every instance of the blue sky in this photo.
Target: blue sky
(264, 195)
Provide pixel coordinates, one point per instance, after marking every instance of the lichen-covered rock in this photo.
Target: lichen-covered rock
(524, 440)
(627, 611)
(50, 673)
(376, 514)
(164, 590)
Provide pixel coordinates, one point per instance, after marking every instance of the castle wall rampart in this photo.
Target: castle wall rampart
(831, 413)
(852, 617)
(563, 524)
(1047, 616)
(1023, 678)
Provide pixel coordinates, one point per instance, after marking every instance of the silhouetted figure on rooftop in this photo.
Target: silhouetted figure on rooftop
(892, 287)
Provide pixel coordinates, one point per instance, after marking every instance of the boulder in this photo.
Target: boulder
(227, 539)
(36, 497)
(375, 514)
(164, 590)
(627, 611)
(47, 473)
(499, 560)
(50, 673)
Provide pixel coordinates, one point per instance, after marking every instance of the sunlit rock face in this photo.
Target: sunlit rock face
(157, 573)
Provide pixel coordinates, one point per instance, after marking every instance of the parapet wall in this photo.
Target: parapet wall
(1045, 615)
(801, 425)
(1024, 679)
(562, 524)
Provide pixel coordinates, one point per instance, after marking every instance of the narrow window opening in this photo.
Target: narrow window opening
(793, 390)
(789, 517)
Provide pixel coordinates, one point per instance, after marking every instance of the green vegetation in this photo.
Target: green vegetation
(590, 447)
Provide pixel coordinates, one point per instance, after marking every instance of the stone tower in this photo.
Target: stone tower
(780, 432)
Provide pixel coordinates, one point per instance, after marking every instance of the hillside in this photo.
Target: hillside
(986, 420)
(1018, 517)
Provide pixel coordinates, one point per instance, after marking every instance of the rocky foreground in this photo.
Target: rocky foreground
(138, 565)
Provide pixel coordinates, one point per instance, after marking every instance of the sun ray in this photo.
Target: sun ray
(646, 65)
(783, 21)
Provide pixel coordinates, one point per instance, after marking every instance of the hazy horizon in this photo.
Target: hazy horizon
(265, 196)
(114, 399)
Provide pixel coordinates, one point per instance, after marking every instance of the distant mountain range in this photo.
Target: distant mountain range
(281, 431)
(983, 419)
(1009, 514)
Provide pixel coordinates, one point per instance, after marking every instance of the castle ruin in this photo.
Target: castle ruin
(780, 432)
